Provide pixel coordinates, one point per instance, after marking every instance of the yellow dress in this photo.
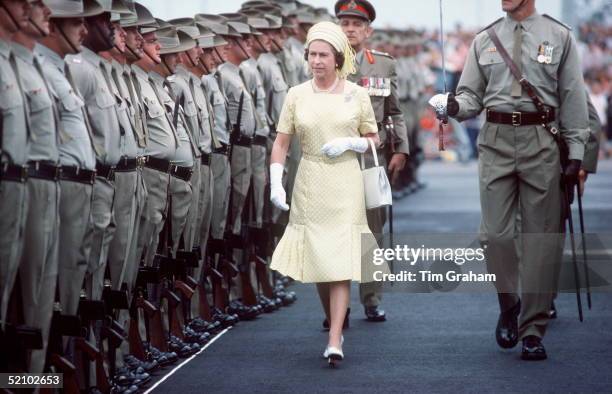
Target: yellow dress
(322, 242)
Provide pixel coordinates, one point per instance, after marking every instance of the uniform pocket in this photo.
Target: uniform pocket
(9, 96)
(71, 102)
(38, 100)
(154, 110)
(279, 85)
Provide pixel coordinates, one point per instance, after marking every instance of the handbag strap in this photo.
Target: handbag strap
(373, 154)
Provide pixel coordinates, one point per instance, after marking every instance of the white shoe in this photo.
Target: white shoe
(334, 355)
(326, 352)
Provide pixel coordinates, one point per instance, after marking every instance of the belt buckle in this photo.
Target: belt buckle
(516, 119)
(58, 173)
(141, 160)
(24, 173)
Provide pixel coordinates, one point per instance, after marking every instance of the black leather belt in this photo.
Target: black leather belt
(205, 159)
(242, 141)
(128, 165)
(43, 170)
(76, 174)
(183, 173)
(160, 165)
(520, 118)
(105, 171)
(10, 172)
(223, 150)
(260, 140)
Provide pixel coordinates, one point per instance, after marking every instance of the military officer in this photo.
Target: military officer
(39, 263)
(77, 152)
(15, 127)
(376, 71)
(520, 160)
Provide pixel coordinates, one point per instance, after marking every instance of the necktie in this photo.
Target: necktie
(137, 122)
(135, 85)
(516, 90)
(97, 148)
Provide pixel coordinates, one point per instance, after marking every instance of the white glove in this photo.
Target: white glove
(338, 146)
(439, 102)
(278, 197)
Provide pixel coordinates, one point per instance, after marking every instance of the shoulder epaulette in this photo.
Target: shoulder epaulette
(495, 22)
(559, 22)
(379, 53)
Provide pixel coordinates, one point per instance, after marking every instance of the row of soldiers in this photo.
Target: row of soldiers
(134, 215)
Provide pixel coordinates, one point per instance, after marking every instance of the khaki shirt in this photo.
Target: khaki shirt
(380, 69)
(44, 135)
(14, 143)
(75, 148)
(219, 108)
(183, 155)
(591, 150)
(205, 115)
(296, 49)
(161, 142)
(287, 62)
(129, 147)
(121, 75)
(486, 81)
(252, 80)
(274, 84)
(179, 83)
(86, 70)
(233, 87)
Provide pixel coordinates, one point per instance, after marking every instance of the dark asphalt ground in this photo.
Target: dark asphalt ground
(431, 342)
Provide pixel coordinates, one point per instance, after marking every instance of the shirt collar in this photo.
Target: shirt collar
(5, 48)
(91, 56)
(139, 71)
(23, 53)
(158, 79)
(50, 55)
(527, 22)
(230, 66)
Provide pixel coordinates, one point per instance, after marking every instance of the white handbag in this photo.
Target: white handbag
(375, 182)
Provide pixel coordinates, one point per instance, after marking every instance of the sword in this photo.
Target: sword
(444, 119)
(584, 247)
(573, 245)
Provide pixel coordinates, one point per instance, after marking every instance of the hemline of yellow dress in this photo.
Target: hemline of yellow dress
(328, 228)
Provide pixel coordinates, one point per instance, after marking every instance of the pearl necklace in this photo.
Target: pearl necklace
(331, 89)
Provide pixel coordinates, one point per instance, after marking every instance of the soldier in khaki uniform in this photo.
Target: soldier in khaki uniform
(234, 89)
(520, 161)
(15, 131)
(130, 191)
(90, 78)
(376, 71)
(172, 93)
(219, 160)
(77, 152)
(39, 262)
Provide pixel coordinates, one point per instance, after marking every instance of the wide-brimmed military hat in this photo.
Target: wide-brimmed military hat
(114, 6)
(73, 8)
(143, 17)
(239, 22)
(357, 8)
(208, 38)
(172, 41)
(218, 24)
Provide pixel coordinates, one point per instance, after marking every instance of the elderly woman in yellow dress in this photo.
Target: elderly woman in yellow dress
(333, 118)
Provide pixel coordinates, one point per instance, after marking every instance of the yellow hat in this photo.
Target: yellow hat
(333, 34)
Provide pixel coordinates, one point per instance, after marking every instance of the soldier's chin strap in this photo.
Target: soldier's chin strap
(38, 28)
(191, 60)
(260, 44)
(219, 55)
(242, 48)
(72, 46)
(276, 44)
(10, 15)
(163, 62)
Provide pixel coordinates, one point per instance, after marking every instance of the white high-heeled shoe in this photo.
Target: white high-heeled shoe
(334, 355)
(326, 351)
